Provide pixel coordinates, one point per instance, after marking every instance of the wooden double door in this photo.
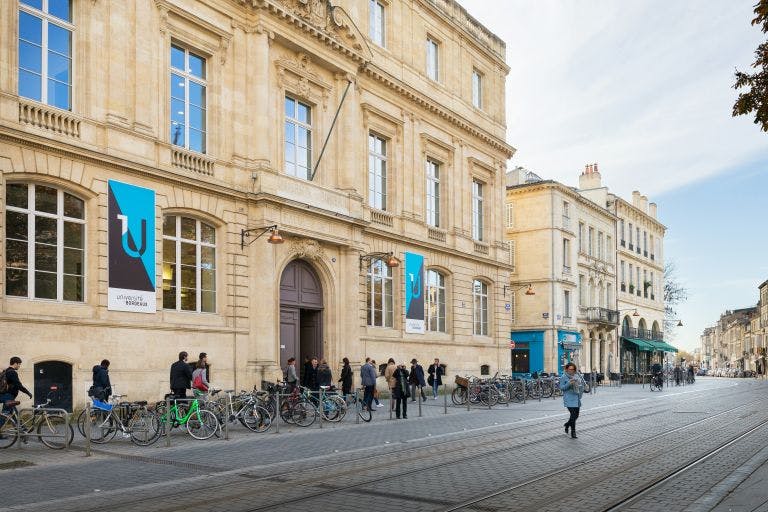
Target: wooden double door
(301, 314)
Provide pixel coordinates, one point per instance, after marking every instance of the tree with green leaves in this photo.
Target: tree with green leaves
(755, 99)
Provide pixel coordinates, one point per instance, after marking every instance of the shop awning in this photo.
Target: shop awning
(666, 347)
(642, 345)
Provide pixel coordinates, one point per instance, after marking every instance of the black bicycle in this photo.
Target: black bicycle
(657, 381)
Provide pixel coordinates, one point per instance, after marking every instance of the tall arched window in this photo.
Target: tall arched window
(480, 308)
(379, 294)
(435, 303)
(44, 243)
(189, 264)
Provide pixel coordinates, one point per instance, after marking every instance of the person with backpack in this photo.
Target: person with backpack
(200, 384)
(102, 388)
(10, 385)
(181, 376)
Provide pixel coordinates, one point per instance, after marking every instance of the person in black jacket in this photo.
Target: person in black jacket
(311, 376)
(346, 378)
(101, 379)
(181, 376)
(400, 391)
(14, 384)
(416, 380)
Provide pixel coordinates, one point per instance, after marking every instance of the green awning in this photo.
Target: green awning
(666, 347)
(642, 345)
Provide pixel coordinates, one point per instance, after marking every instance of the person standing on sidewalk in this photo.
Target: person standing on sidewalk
(101, 379)
(324, 375)
(400, 390)
(346, 378)
(435, 377)
(389, 373)
(572, 386)
(416, 379)
(13, 384)
(181, 376)
(368, 380)
(375, 389)
(291, 379)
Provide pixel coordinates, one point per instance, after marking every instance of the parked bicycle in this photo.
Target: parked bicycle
(132, 419)
(47, 424)
(199, 422)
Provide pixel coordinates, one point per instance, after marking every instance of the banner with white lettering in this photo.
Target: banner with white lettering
(131, 224)
(414, 293)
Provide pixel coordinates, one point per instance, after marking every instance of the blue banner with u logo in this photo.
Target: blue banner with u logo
(414, 293)
(131, 223)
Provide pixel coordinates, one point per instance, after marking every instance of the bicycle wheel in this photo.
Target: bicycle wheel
(285, 411)
(303, 414)
(144, 427)
(341, 406)
(8, 430)
(202, 424)
(100, 423)
(329, 410)
(547, 390)
(364, 413)
(54, 432)
(256, 418)
(459, 395)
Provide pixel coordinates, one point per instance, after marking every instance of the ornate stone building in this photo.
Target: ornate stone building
(355, 132)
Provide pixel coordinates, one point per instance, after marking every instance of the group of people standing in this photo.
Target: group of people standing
(186, 376)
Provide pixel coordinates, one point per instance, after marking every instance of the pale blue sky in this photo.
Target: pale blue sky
(644, 88)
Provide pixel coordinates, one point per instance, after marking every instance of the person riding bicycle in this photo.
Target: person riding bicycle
(657, 374)
(12, 385)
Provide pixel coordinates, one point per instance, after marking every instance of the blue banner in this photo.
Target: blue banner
(131, 225)
(414, 293)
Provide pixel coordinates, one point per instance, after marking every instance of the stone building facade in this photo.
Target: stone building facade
(222, 110)
(564, 248)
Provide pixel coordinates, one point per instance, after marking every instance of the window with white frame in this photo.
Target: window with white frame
(433, 59)
(480, 308)
(645, 242)
(653, 287)
(379, 294)
(581, 237)
(509, 215)
(610, 249)
(188, 99)
(652, 247)
(566, 215)
(582, 291)
(298, 138)
(45, 52)
(477, 89)
(639, 283)
(609, 295)
(631, 279)
(566, 304)
(44, 243)
(189, 264)
(566, 255)
(477, 210)
(623, 274)
(435, 303)
(376, 22)
(621, 231)
(377, 172)
(630, 233)
(591, 241)
(433, 193)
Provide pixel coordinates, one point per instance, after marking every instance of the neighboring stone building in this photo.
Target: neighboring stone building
(563, 246)
(708, 354)
(640, 273)
(221, 112)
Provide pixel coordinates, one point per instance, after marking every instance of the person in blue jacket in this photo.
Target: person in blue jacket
(572, 386)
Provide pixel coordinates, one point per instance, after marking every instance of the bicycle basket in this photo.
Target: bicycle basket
(98, 404)
(462, 381)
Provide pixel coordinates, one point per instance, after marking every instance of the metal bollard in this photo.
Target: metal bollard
(469, 404)
(168, 422)
(87, 428)
(445, 400)
(357, 407)
(277, 412)
(226, 421)
(67, 420)
(418, 398)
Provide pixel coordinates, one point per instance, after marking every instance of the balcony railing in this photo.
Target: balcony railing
(643, 334)
(603, 316)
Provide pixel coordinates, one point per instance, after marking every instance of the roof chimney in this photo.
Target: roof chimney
(590, 178)
(636, 199)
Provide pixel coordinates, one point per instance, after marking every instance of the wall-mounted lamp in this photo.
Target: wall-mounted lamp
(388, 257)
(274, 235)
(529, 291)
(634, 310)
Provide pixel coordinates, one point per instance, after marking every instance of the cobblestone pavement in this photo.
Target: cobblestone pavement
(628, 437)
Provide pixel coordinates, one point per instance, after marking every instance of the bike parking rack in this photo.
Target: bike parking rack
(57, 411)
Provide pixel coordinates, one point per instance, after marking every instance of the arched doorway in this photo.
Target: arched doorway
(54, 379)
(301, 314)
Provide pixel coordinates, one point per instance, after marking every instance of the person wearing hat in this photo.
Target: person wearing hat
(400, 390)
(416, 380)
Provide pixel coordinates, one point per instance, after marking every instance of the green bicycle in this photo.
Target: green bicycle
(200, 423)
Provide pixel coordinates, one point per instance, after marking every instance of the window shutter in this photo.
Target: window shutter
(512, 255)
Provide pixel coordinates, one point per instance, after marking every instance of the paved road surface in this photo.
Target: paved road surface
(707, 439)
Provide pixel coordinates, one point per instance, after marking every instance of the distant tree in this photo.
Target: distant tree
(674, 294)
(756, 98)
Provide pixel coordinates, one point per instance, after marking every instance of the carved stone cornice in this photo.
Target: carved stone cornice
(306, 248)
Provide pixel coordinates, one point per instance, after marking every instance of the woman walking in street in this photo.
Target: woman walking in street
(572, 386)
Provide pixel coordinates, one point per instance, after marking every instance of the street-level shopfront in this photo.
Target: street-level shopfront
(528, 352)
(568, 348)
(637, 355)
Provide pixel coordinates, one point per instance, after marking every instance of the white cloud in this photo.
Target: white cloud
(643, 88)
